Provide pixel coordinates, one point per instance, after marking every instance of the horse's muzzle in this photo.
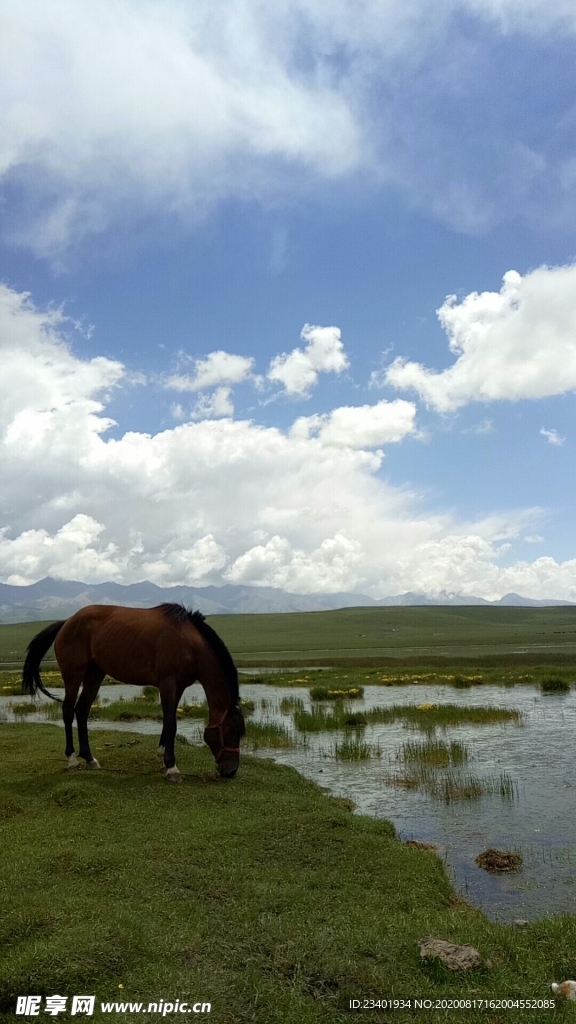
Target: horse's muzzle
(227, 771)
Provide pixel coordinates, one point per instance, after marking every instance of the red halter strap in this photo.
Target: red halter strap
(223, 748)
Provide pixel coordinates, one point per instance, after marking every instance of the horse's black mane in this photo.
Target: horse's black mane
(178, 613)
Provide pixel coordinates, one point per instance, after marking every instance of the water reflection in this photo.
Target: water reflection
(538, 757)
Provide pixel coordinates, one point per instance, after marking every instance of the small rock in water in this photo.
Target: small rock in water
(565, 990)
(520, 923)
(497, 861)
(456, 958)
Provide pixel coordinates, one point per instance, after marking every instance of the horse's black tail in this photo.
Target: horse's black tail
(42, 642)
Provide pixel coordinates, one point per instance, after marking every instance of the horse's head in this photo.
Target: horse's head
(224, 741)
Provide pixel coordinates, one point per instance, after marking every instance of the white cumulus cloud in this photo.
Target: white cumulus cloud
(298, 370)
(517, 343)
(211, 406)
(216, 369)
(364, 426)
(221, 500)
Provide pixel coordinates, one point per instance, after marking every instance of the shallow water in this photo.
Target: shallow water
(539, 756)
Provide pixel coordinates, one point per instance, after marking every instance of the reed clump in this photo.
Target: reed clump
(451, 786)
(268, 734)
(289, 704)
(435, 752)
(428, 716)
(11, 688)
(554, 685)
(26, 708)
(320, 720)
(193, 710)
(356, 750)
(127, 711)
(322, 693)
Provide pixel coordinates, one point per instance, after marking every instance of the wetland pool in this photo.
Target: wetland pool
(538, 757)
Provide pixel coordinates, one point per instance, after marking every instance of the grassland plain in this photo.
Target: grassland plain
(547, 634)
(263, 896)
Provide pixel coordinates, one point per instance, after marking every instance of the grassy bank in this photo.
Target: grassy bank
(261, 895)
(346, 677)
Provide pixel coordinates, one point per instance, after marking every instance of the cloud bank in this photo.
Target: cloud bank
(115, 108)
(517, 343)
(222, 500)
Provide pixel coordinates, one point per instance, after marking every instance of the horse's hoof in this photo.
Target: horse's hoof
(73, 763)
(173, 775)
(93, 764)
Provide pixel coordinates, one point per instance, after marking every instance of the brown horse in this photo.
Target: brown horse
(168, 647)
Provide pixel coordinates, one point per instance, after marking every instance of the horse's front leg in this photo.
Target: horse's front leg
(161, 746)
(169, 698)
(92, 680)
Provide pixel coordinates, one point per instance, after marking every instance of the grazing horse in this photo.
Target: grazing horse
(168, 647)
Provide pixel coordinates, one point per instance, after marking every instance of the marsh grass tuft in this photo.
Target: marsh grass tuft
(268, 734)
(319, 720)
(356, 750)
(193, 710)
(462, 682)
(127, 711)
(434, 752)
(346, 693)
(554, 685)
(450, 786)
(289, 704)
(26, 708)
(11, 687)
(428, 716)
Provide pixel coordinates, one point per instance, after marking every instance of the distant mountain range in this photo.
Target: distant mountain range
(57, 599)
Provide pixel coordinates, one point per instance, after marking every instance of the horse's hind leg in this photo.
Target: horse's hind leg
(93, 677)
(169, 696)
(72, 685)
(161, 745)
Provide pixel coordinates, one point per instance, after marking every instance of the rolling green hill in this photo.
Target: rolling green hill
(417, 632)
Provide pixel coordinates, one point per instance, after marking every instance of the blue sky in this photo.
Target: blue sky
(289, 294)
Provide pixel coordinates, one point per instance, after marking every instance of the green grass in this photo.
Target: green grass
(289, 704)
(268, 735)
(434, 752)
(429, 716)
(378, 633)
(346, 693)
(458, 675)
(355, 749)
(26, 707)
(139, 708)
(193, 711)
(554, 684)
(450, 786)
(262, 895)
(320, 720)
